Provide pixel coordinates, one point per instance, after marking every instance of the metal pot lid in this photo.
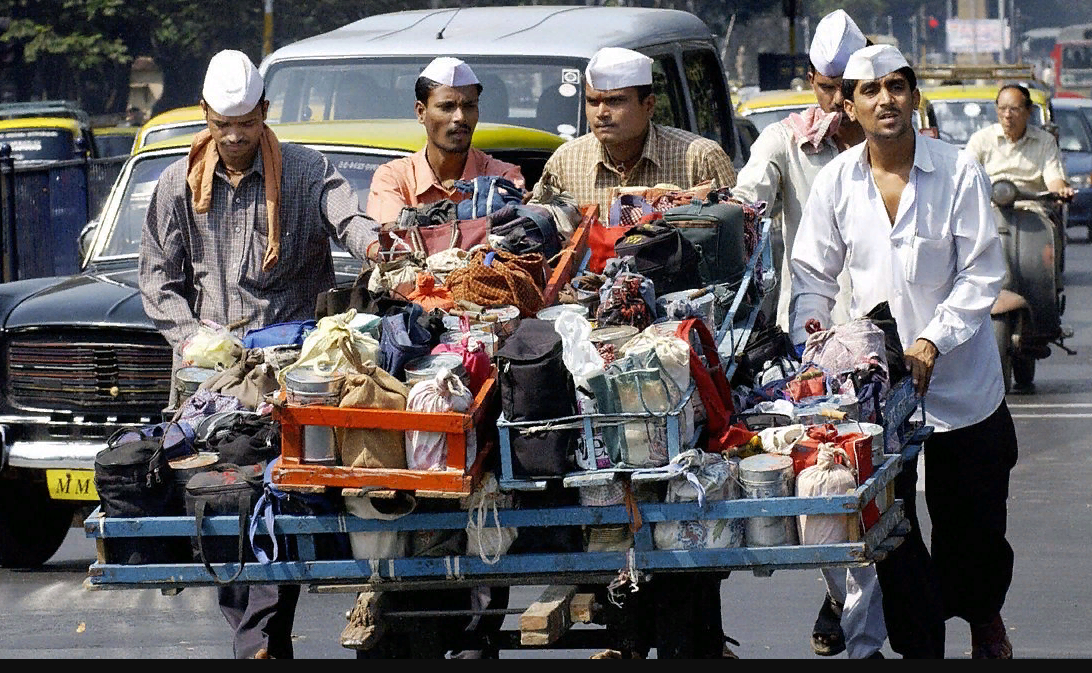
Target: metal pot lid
(431, 363)
(307, 380)
(552, 312)
(193, 374)
(612, 332)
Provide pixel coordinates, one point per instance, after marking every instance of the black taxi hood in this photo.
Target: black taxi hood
(90, 299)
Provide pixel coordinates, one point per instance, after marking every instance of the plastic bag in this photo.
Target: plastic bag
(826, 477)
(335, 346)
(212, 346)
(583, 362)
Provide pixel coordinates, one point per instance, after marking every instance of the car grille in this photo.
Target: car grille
(90, 375)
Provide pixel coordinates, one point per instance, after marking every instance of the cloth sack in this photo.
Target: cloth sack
(334, 346)
(429, 295)
(205, 403)
(673, 355)
(701, 477)
(381, 544)
(498, 278)
(830, 475)
(622, 301)
(398, 277)
(444, 262)
(250, 379)
(371, 388)
(484, 540)
(442, 393)
(840, 349)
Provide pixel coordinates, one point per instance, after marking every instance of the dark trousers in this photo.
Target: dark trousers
(970, 569)
(260, 617)
(967, 486)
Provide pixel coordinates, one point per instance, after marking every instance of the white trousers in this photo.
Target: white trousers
(858, 590)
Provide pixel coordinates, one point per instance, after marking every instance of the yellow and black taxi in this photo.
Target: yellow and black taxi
(45, 131)
(769, 107)
(81, 357)
(114, 141)
(181, 121)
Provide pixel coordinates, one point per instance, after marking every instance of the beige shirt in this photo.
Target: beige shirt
(670, 155)
(780, 172)
(410, 181)
(1031, 162)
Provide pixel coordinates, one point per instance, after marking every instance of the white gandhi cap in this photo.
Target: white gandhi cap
(874, 62)
(617, 68)
(232, 84)
(449, 72)
(836, 38)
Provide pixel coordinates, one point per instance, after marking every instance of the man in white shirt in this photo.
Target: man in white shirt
(909, 217)
(785, 158)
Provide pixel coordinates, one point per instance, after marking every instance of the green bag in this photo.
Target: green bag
(716, 231)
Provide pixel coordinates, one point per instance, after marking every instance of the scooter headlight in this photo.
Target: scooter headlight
(1003, 193)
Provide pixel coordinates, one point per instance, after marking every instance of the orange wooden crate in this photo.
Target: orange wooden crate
(456, 479)
(571, 257)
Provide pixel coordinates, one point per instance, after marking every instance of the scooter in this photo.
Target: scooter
(1027, 313)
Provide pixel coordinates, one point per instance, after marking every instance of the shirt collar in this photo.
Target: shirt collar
(923, 158)
(650, 151)
(1029, 134)
(425, 179)
(256, 166)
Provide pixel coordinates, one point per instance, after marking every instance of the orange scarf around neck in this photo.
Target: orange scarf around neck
(203, 158)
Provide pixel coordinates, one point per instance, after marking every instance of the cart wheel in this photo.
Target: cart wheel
(32, 526)
(1002, 332)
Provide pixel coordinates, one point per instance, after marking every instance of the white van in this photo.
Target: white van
(530, 60)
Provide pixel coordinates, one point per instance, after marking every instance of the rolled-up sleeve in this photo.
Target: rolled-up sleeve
(386, 196)
(162, 269)
(980, 264)
(1054, 166)
(341, 212)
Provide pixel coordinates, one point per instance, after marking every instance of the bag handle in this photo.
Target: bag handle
(713, 387)
(244, 511)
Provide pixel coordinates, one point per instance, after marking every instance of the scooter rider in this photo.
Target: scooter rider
(1025, 154)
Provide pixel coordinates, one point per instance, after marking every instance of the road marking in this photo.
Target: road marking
(1089, 415)
(1050, 405)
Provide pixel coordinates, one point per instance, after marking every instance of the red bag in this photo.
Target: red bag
(857, 445)
(712, 385)
(601, 241)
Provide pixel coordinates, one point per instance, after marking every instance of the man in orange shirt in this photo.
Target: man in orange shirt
(447, 106)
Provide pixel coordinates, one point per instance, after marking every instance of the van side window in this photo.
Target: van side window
(667, 87)
(703, 76)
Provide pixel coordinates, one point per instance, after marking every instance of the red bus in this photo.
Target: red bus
(1072, 59)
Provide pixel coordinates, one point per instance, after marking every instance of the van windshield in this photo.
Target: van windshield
(538, 93)
(39, 144)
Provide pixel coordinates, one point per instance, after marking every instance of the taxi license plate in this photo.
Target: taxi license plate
(72, 484)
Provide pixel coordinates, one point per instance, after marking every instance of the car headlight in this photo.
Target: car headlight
(1080, 181)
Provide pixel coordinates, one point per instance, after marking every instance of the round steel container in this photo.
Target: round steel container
(768, 475)
(552, 312)
(318, 445)
(427, 367)
(188, 379)
(307, 387)
(487, 339)
(614, 334)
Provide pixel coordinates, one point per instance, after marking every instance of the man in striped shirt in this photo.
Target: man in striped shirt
(625, 147)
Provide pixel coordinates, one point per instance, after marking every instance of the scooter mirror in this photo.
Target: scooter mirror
(1003, 193)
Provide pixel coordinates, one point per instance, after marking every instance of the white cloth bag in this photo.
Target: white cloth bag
(825, 477)
(379, 544)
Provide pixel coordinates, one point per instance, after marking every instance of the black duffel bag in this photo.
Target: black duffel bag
(223, 490)
(535, 385)
(663, 255)
(133, 479)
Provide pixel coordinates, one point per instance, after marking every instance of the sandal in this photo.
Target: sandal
(827, 638)
(989, 640)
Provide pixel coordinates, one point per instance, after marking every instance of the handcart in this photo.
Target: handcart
(566, 574)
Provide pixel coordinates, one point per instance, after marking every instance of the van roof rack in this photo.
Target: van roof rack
(968, 74)
(45, 108)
